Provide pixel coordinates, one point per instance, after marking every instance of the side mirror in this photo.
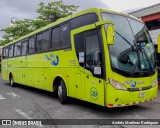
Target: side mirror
(158, 43)
(110, 34)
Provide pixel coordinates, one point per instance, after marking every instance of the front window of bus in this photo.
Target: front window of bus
(132, 52)
(144, 43)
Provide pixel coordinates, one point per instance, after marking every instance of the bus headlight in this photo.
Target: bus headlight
(117, 85)
(154, 83)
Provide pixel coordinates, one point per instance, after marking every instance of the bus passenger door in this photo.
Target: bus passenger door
(94, 70)
(79, 72)
(78, 85)
(89, 83)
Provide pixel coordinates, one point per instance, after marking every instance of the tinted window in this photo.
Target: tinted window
(93, 55)
(55, 38)
(45, 40)
(42, 42)
(83, 20)
(24, 47)
(38, 42)
(31, 45)
(61, 37)
(79, 47)
(10, 50)
(64, 36)
(4, 53)
(17, 49)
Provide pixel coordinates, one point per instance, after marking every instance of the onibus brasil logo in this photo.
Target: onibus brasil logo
(54, 59)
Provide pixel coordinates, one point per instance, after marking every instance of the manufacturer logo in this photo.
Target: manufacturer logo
(133, 83)
(54, 59)
(94, 93)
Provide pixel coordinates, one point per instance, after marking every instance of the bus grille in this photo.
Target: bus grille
(139, 89)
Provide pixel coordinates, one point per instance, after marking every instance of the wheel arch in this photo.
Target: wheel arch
(55, 83)
(10, 73)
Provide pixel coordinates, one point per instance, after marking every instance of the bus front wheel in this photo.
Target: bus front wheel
(62, 92)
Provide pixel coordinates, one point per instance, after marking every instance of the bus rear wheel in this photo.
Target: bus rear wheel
(11, 80)
(62, 92)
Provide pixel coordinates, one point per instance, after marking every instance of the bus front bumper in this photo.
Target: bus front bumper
(120, 98)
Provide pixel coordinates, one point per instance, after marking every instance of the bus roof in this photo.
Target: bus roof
(61, 20)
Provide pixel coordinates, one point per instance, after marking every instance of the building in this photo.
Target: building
(151, 16)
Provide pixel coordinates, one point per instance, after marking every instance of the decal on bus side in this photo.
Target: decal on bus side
(94, 93)
(54, 59)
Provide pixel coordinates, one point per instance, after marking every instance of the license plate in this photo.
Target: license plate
(142, 94)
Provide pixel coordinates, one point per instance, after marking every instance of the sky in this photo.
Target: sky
(121, 5)
(22, 9)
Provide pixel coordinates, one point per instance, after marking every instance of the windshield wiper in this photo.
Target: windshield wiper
(124, 39)
(138, 61)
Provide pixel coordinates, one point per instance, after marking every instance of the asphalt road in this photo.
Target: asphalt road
(23, 102)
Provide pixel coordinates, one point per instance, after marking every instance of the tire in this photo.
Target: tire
(11, 81)
(62, 92)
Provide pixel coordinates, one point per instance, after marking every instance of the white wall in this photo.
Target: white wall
(154, 34)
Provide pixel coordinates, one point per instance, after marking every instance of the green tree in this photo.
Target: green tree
(55, 10)
(21, 28)
(47, 14)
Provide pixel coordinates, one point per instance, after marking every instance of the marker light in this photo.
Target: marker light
(154, 83)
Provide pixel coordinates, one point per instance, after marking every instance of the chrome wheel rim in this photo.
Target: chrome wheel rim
(59, 91)
(11, 82)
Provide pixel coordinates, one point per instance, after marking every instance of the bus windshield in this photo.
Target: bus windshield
(133, 51)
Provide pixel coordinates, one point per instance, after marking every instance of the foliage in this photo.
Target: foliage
(47, 14)
(55, 10)
(21, 28)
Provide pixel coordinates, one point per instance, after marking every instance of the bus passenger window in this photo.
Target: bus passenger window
(39, 42)
(61, 37)
(31, 45)
(55, 38)
(24, 48)
(17, 49)
(42, 43)
(11, 51)
(64, 36)
(4, 53)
